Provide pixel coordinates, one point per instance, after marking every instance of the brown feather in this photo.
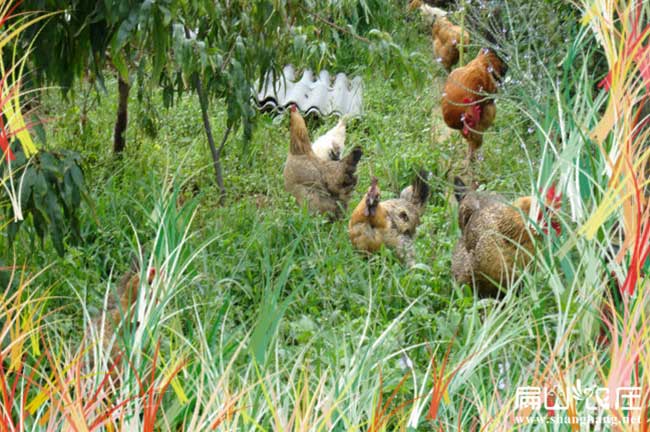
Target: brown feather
(447, 41)
(325, 186)
(495, 242)
(300, 142)
(393, 223)
(469, 87)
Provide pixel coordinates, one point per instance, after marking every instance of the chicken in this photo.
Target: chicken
(119, 309)
(330, 146)
(447, 37)
(448, 40)
(430, 13)
(467, 104)
(392, 222)
(496, 238)
(324, 186)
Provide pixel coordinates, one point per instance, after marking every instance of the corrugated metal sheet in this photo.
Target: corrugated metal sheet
(311, 93)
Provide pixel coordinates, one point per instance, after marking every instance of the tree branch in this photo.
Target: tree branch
(337, 27)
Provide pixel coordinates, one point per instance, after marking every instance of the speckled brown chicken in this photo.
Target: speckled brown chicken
(448, 38)
(496, 239)
(324, 186)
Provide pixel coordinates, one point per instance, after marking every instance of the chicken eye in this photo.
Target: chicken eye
(404, 216)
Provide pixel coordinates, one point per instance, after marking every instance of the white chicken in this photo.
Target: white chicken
(429, 13)
(330, 145)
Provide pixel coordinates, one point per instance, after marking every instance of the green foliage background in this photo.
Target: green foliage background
(329, 281)
(258, 264)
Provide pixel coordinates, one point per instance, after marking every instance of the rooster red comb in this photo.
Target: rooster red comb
(553, 202)
(553, 198)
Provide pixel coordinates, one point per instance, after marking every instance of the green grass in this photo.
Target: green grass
(260, 232)
(259, 219)
(271, 306)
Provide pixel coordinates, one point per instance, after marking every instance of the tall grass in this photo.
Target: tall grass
(579, 334)
(226, 354)
(210, 373)
(14, 130)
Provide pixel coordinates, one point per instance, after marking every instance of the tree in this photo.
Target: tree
(218, 49)
(225, 48)
(37, 186)
(90, 35)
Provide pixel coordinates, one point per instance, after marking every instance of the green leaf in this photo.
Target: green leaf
(77, 176)
(12, 231)
(68, 186)
(57, 239)
(120, 64)
(40, 222)
(52, 185)
(27, 186)
(125, 31)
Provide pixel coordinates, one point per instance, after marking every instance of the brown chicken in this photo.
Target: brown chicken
(392, 222)
(496, 238)
(467, 104)
(448, 39)
(324, 185)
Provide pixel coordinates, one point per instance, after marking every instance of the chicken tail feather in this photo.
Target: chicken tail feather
(349, 179)
(460, 189)
(421, 188)
(354, 157)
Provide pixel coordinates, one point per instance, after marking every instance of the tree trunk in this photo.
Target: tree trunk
(216, 153)
(119, 134)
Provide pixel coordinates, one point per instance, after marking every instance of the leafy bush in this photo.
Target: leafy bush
(50, 186)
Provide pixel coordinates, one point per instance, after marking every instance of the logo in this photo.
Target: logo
(592, 400)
